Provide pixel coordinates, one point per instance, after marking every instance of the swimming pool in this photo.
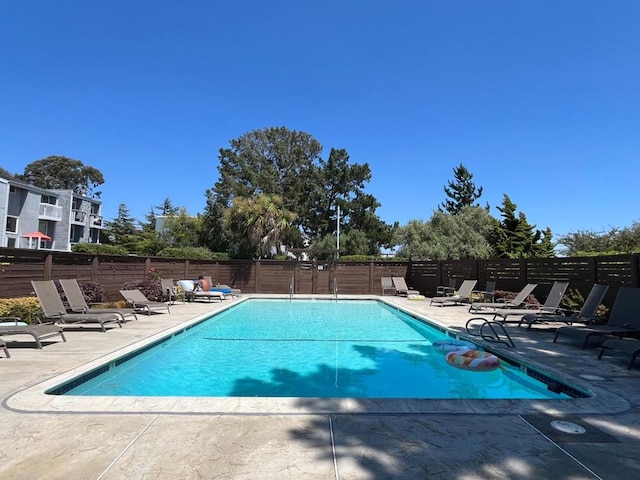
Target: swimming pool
(303, 348)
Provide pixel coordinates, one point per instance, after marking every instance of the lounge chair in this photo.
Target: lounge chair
(140, 303)
(387, 286)
(517, 302)
(401, 287)
(487, 295)
(586, 315)
(623, 320)
(78, 304)
(39, 332)
(3, 346)
(550, 306)
(169, 291)
(191, 294)
(444, 291)
(54, 310)
(462, 294)
(627, 346)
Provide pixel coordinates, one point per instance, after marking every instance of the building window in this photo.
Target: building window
(50, 199)
(12, 224)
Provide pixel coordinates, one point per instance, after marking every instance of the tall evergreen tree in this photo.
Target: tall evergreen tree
(123, 230)
(515, 237)
(462, 192)
(286, 163)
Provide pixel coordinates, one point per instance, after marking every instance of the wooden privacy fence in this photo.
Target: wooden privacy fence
(19, 266)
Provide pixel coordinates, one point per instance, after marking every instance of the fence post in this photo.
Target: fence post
(593, 270)
(147, 267)
(257, 284)
(186, 269)
(635, 278)
(371, 271)
(48, 265)
(95, 267)
(523, 273)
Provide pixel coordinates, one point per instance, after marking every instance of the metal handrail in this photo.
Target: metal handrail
(291, 288)
(497, 331)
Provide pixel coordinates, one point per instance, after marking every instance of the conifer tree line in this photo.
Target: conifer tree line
(276, 188)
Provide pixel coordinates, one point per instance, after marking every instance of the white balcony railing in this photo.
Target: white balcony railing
(96, 221)
(50, 212)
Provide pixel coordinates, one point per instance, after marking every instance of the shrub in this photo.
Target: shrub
(197, 253)
(93, 292)
(149, 288)
(574, 301)
(99, 248)
(26, 308)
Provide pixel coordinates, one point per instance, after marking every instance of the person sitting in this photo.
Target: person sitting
(202, 284)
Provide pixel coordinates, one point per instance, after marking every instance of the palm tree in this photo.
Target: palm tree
(261, 220)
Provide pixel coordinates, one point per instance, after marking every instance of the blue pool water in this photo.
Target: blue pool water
(299, 348)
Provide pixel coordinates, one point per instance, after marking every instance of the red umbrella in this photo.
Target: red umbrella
(39, 235)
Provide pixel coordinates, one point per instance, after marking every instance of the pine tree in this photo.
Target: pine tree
(515, 237)
(462, 192)
(122, 230)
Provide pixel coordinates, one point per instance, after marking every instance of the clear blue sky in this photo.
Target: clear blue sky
(539, 99)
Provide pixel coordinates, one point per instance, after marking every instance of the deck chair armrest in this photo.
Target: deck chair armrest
(548, 309)
(631, 327)
(443, 291)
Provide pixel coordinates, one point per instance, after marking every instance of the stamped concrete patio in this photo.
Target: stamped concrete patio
(54, 437)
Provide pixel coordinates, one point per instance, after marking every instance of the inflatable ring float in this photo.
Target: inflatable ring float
(473, 360)
(415, 297)
(452, 345)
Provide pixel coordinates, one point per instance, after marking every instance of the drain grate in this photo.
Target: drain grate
(568, 429)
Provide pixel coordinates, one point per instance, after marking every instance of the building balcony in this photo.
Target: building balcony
(78, 217)
(95, 221)
(50, 212)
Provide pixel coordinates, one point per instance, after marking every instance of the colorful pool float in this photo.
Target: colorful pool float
(473, 360)
(452, 345)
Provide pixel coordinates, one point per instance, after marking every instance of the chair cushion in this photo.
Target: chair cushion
(221, 289)
(187, 285)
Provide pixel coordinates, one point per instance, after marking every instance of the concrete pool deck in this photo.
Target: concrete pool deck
(61, 437)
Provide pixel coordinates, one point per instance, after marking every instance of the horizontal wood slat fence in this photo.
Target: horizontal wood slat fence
(19, 266)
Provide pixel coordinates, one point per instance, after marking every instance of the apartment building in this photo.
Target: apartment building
(32, 217)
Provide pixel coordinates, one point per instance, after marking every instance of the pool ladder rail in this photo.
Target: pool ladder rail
(292, 287)
(489, 330)
(335, 289)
